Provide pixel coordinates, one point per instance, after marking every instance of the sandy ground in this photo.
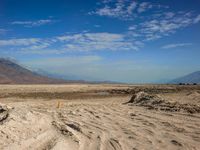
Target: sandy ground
(94, 117)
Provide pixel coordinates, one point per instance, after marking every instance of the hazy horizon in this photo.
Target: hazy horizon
(103, 40)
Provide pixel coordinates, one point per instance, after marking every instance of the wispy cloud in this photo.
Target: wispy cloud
(133, 27)
(144, 6)
(99, 41)
(160, 22)
(82, 42)
(26, 45)
(19, 42)
(163, 24)
(116, 9)
(166, 24)
(35, 23)
(169, 46)
(123, 9)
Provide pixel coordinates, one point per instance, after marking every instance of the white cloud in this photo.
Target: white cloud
(33, 23)
(158, 23)
(133, 27)
(131, 7)
(28, 45)
(73, 42)
(144, 6)
(148, 27)
(98, 41)
(38, 46)
(122, 9)
(164, 25)
(169, 15)
(115, 12)
(19, 42)
(169, 46)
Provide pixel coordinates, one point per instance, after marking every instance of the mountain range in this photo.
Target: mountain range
(12, 73)
(190, 78)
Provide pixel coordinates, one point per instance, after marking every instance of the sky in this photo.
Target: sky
(132, 41)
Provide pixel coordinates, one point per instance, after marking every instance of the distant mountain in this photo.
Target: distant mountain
(12, 73)
(57, 76)
(73, 78)
(190, 78)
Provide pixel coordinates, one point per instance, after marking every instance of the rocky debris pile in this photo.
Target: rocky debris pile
(145, 99)
(156, 102)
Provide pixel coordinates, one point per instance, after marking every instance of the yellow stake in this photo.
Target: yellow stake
(58, 104)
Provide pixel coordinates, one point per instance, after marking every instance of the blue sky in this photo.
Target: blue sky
(119, 40)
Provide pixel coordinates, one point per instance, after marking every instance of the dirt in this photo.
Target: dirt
(88, 121)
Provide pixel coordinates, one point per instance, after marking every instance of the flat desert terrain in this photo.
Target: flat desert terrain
(99, 117)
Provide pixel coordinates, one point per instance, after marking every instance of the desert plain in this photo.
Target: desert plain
(99, 117)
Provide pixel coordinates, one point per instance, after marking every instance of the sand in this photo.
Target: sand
(96, 117)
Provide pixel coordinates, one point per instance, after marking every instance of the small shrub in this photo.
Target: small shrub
(181, 83)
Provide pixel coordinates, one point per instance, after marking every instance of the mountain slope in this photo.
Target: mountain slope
(12, 73)
(190, 78)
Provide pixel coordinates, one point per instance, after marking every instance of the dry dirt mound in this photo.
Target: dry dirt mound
(158, 103)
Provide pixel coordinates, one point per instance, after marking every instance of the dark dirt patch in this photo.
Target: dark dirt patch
(3, 114)
(176, 143)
